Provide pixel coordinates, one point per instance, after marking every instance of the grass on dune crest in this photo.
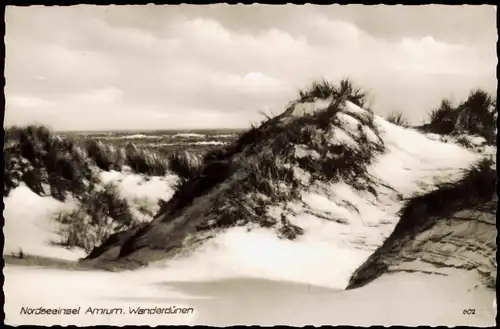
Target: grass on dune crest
(477, 115)
(324, 89)
(462, 123)
(398, 118)
(262, 162)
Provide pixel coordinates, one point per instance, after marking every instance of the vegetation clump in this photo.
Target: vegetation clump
(475, 116)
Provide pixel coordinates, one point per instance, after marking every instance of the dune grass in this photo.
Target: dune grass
(443, 118)
(185, 165)
(465, 142)
(45, 162)
(474, 116)
(323, 89)
(259, 164)
(101, 212)
(109, 157)
(398, 118)
(50, 165)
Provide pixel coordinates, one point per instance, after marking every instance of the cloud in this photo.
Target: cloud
(27, 102)
(336, 32)
(86, 66)
(103, 96)
(252, 82)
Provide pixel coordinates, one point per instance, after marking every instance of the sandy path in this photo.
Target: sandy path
(402, 298)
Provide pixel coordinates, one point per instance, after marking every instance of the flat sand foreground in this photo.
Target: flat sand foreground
(409, 299)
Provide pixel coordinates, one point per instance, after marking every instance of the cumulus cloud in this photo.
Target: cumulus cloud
(130, 67)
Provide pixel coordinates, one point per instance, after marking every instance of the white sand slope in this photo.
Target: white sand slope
(140, 190)
(414, 161)
(139, 186)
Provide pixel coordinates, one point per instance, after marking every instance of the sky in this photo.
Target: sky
(220, 66)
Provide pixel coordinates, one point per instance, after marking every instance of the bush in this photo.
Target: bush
(35, 155)
(265, 173)
(145, 161)
(319, 89)
(12, 170)
(104, 156)
(185, 165)
(397, 118)
(490, 277)
(101, 213)
(107, 202)
(475, 116)
(77, 230)
(443, 118)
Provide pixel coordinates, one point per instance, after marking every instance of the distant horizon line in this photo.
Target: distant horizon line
(148, 130)
(5, 127)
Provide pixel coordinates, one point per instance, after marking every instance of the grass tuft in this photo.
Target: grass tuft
(443, 118)
(45, 162)
(398, 118)
(475, 116)
(185, 165)
(323, 89)
(145, 161)
(100, 213)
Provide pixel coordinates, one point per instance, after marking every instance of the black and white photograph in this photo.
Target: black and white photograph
(254, 164)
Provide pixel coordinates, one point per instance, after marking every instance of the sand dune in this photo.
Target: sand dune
(249, 274)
